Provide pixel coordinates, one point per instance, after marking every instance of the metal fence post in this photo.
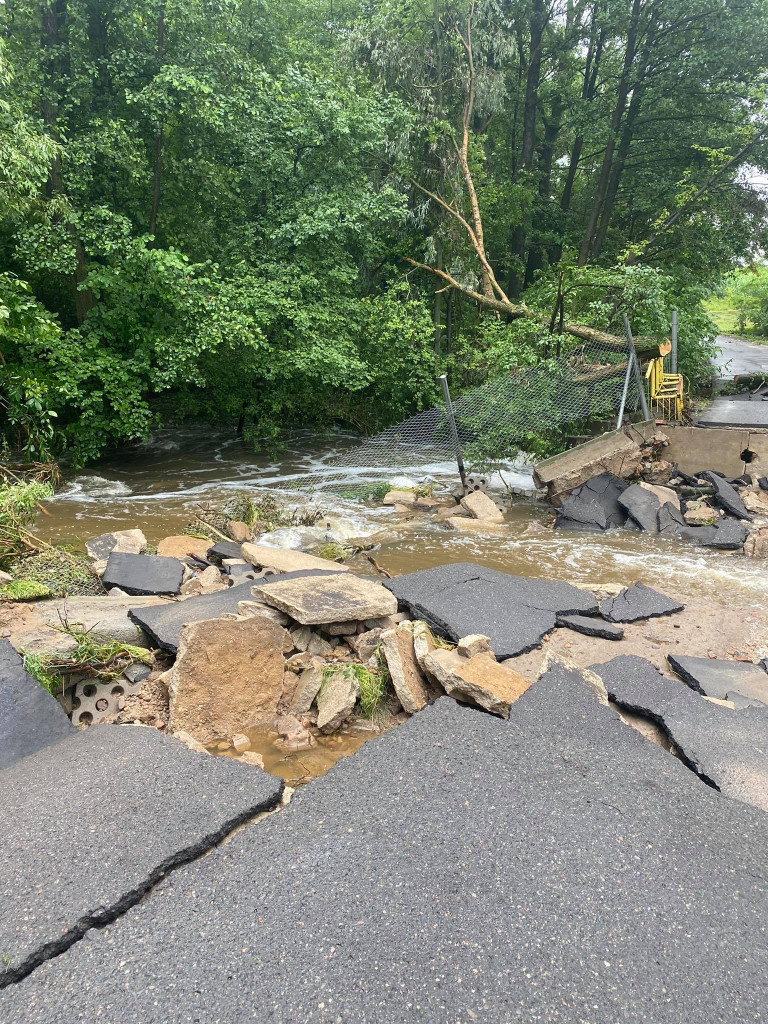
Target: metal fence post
(454, 430)
(673, 339)
(636, 366)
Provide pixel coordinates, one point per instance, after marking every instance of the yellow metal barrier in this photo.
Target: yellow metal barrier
(665, 389)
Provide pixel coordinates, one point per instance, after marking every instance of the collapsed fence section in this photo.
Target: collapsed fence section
(520, 416)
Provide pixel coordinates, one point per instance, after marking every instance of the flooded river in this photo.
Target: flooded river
(156, 487)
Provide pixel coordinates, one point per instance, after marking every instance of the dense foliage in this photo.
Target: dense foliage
(258, 213)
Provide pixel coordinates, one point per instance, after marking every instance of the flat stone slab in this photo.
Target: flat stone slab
(30, 718)
(315, 600)
(717, 678)
(143, 574)
(591, 627)
(92, 822)
(224, 549)
(163, 623)
(285, 560)
(638, 602)
(461, 868)
(515, 612)
(726, 748)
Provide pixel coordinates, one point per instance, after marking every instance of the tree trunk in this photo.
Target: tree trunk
(619, 109)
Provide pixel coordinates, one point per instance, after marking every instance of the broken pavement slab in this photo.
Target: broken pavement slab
(726, 497)
(479, 680)
(91, 823)
(283, 560)
(638, 602)
(460, 598)
(457, 842)
(617, 452)
(143, 574)
(30, 718)
(642, 505)
(163, 624)
(716, 678)
(727, 748)
(594, 505)
(591, 626)
(317, 600)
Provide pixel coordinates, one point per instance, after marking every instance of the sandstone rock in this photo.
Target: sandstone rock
(341, 628)
(364, 644)
(756, 544)
(462, 525)
(5, 577)
(385, 621)
(247, 609)
(480, 506)
(318, 646)
(658, 471)
(293, 735)
(192, 588)
(337, 698)
(395, 497)
(131, 542)
(310, 681)
(228, 676)
(473, 644)
(755, 501)
(479, 680)
(251, 757)
(701, 513)
(180, 546)
(298, 662)
(240, 742)
(449, 512)
(283, 560)
(116, 592)
(239, 532)
(398, 650)
(301, 637)
(316, 600)
(664, 494)
(423, 641)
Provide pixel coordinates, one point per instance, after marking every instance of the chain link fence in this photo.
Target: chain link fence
(507, 419)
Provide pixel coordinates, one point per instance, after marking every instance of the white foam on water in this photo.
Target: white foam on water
(92, 488)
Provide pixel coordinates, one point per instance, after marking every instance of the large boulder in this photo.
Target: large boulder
(284, 560)
(316, 600)
(478, 680)
(228, 676)
(143, 574)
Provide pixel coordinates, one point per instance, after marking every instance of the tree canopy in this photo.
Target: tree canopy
(256, 214)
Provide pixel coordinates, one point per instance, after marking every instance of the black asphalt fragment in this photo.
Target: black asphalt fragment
(726, 748)
(91, 823)
(638, 602)
(163, 623)
(555, 867)
(30, 718)
(143, 574)
(591, 627)
(459, 599)
(715, 677)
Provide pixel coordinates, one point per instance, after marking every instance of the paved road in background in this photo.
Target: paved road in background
(738, 357)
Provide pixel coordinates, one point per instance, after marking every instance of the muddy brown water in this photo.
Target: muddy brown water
(157, 486)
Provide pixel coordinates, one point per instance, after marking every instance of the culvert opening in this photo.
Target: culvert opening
(748, 455)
